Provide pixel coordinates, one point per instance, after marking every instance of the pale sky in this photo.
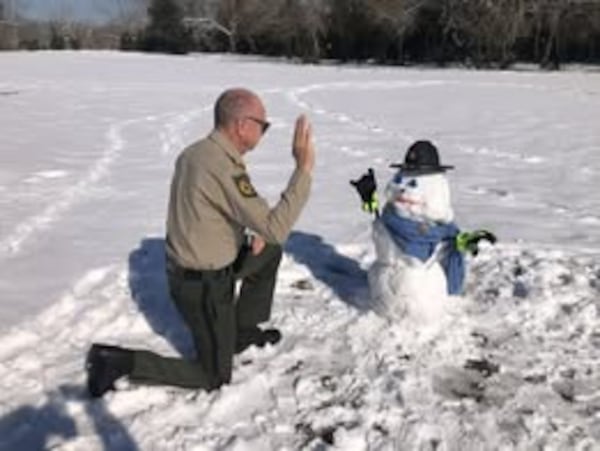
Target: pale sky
(93, 10)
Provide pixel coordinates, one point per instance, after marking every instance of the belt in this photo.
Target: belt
(190, 274)
(193, 274)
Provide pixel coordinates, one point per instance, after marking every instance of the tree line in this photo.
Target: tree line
(477, 33)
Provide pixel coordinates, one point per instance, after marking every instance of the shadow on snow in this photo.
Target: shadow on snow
(149, 287)
(39, 427)
(150, 290)
(343, 275)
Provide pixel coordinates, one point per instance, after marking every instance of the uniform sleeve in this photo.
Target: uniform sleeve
(252, 211)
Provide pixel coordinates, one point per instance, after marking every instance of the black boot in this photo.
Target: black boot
(255, 336)
(104, 365)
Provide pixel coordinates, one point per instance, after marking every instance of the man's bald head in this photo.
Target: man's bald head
(235, 104)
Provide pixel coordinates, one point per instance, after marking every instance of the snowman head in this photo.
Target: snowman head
(420, 189)
(424, 197)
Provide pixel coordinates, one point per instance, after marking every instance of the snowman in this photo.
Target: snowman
(419, 250)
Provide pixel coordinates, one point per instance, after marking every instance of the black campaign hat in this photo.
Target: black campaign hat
(421, 158)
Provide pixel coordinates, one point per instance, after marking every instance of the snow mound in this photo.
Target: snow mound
(514, 365)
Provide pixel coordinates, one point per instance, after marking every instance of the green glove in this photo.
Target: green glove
(372, 205)
(469, 241)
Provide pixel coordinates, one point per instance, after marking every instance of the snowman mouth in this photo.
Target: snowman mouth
(406, 200)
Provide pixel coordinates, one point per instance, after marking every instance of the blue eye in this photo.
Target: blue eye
(413, 183)
(398, 178)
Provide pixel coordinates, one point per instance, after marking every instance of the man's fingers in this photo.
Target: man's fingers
(258, 244)
(308, 130)
(297, 131)
(302, 147)
(300, 131)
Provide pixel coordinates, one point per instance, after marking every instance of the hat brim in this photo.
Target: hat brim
(421, 170)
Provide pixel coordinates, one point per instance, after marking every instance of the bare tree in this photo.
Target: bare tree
(397, 17)
(485, 30)
(549, 19)
(590, 30)
(231, 15)
(200, 8)
(238, 20)
(293, 27)
(312, 27)
(202, 19)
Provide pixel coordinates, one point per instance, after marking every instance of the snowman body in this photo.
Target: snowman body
(401, 284)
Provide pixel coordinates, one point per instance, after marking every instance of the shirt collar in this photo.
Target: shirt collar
(224, 143)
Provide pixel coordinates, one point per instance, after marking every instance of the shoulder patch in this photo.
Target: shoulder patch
(244, 186)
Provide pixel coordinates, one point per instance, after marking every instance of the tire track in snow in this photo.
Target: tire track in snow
(26, 230)
(44, 356)
(562, 210)
(511, 157)
(296, 96)
(48, 350)
(58, 333)
(170, 137)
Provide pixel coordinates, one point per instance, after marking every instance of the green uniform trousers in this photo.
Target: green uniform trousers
(206, 302)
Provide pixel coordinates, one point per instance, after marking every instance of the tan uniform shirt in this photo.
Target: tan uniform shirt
(212, 202)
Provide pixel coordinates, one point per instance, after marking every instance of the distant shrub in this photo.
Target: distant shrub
(165, 33)
(127, 41)
(57, 40)
(30, 44)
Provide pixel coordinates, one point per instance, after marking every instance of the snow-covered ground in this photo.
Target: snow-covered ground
(87, 147)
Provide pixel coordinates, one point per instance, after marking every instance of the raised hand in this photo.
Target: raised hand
(303, 148)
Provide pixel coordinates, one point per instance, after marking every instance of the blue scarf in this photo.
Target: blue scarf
(420, 240)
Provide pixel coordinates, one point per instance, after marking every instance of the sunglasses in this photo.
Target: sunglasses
(264, 125)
